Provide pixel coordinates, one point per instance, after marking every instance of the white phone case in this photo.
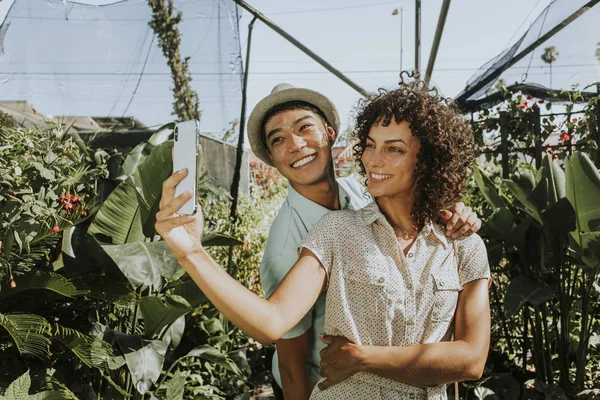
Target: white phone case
(186, 145)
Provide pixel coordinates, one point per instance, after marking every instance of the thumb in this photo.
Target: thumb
(325, 339)
(445, 215)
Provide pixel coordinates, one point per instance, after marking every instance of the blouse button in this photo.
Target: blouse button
(409, 286)
(381, 280)
(410, 255)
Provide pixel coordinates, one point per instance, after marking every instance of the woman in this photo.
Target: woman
(398, 289)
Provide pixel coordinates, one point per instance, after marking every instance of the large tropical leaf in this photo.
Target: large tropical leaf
(176, 386)
(144, 359)
(19, 390)
(524, 290)
(118, 217)
(488, 190)
(583, 192)
(190, 291)
(148, 179)
(44, 281)
(29, 332)
(138, 155)
(144, 264)
(159, 314)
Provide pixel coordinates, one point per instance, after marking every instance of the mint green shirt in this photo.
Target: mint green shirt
(293, 222)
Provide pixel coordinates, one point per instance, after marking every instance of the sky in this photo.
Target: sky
(361, 38)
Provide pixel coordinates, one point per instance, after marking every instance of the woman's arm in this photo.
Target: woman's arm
(264, 320)
(425, 364)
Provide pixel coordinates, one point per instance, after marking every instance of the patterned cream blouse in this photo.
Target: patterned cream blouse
(377, 296)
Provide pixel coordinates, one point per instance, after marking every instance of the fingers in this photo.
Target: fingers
(445, 215)
(173, 206)
(325, 384)
(168, 186)
(326, 338)
(459, 217)
(169, 224)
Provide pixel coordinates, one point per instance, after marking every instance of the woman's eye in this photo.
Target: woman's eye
(397, 149)
(370, 146)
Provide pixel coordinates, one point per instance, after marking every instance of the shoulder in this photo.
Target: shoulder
(337, 218)
(470, 244)
(279, 232)
(353, 186)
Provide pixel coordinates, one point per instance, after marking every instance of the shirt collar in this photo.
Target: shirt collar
(371, 213)
(311, 212)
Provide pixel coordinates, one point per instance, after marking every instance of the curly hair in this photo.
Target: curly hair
(447, 142)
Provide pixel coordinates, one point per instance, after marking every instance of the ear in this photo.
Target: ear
(269, 154)
(330, 135)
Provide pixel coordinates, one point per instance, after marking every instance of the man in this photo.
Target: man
(293, 129)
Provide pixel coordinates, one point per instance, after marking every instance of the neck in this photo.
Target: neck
(397, 212)
(324, 193)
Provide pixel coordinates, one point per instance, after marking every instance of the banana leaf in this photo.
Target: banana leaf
(522, 290)
(160, 313)
(148, 180)
(488, 190)
(144, 264)
(91, 350)
(138, 155)
(119, 216)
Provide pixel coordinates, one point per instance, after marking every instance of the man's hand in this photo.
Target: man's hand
(460, 221)
(182, 233)
(339, 360)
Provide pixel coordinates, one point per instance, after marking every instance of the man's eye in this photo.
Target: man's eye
(276, 140)
(305, 127)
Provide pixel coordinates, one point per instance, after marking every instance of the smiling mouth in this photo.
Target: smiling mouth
(379, 177)
(304, 161)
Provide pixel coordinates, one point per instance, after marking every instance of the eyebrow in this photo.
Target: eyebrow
(389, 140)
(276, 130)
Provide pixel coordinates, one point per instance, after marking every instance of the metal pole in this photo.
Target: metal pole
(235, 185)
(302, 47)
(417, 36)
(537, 130)
(401, 31)
(436, 40)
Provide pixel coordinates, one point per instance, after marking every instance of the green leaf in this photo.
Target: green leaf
(176, 386)
(539, 196)
(144, 359)
(174, 333)
(560, 217)
(556, 180)
(219, 239)
(118, 217)
(29, 332)
(488, 190)
(159, 314)
(212, 355)
(524, 290)
(144, 264)
(148, 180)
(501, 223)
(19, 388)
(190, 291)
(91, 350)
(522, 192)
(583, 191)
(44, 281)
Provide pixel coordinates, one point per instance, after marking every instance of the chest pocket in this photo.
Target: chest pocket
(366, 275)
(446, 288)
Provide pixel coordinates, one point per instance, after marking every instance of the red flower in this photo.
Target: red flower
(574, 119)
(565, 136)
(553, 126)
(529, 97)
(483, 127)
(11, 193)
(554, 156)
(13, 284)
(55, 229)
(535, 105)
(523, 106)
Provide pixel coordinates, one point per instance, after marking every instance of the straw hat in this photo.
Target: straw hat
(283, 93)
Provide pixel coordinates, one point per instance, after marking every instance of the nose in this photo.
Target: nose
(372, 159)
(297, 144)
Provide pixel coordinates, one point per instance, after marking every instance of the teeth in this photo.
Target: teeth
(380, 176)
(300, 163)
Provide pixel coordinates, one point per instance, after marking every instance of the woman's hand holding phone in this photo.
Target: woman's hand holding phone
(182, 233)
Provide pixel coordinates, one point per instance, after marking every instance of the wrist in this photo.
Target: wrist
(197, 254)
(362, 355)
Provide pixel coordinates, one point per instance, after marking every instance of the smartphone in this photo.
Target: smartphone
(184, 156)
